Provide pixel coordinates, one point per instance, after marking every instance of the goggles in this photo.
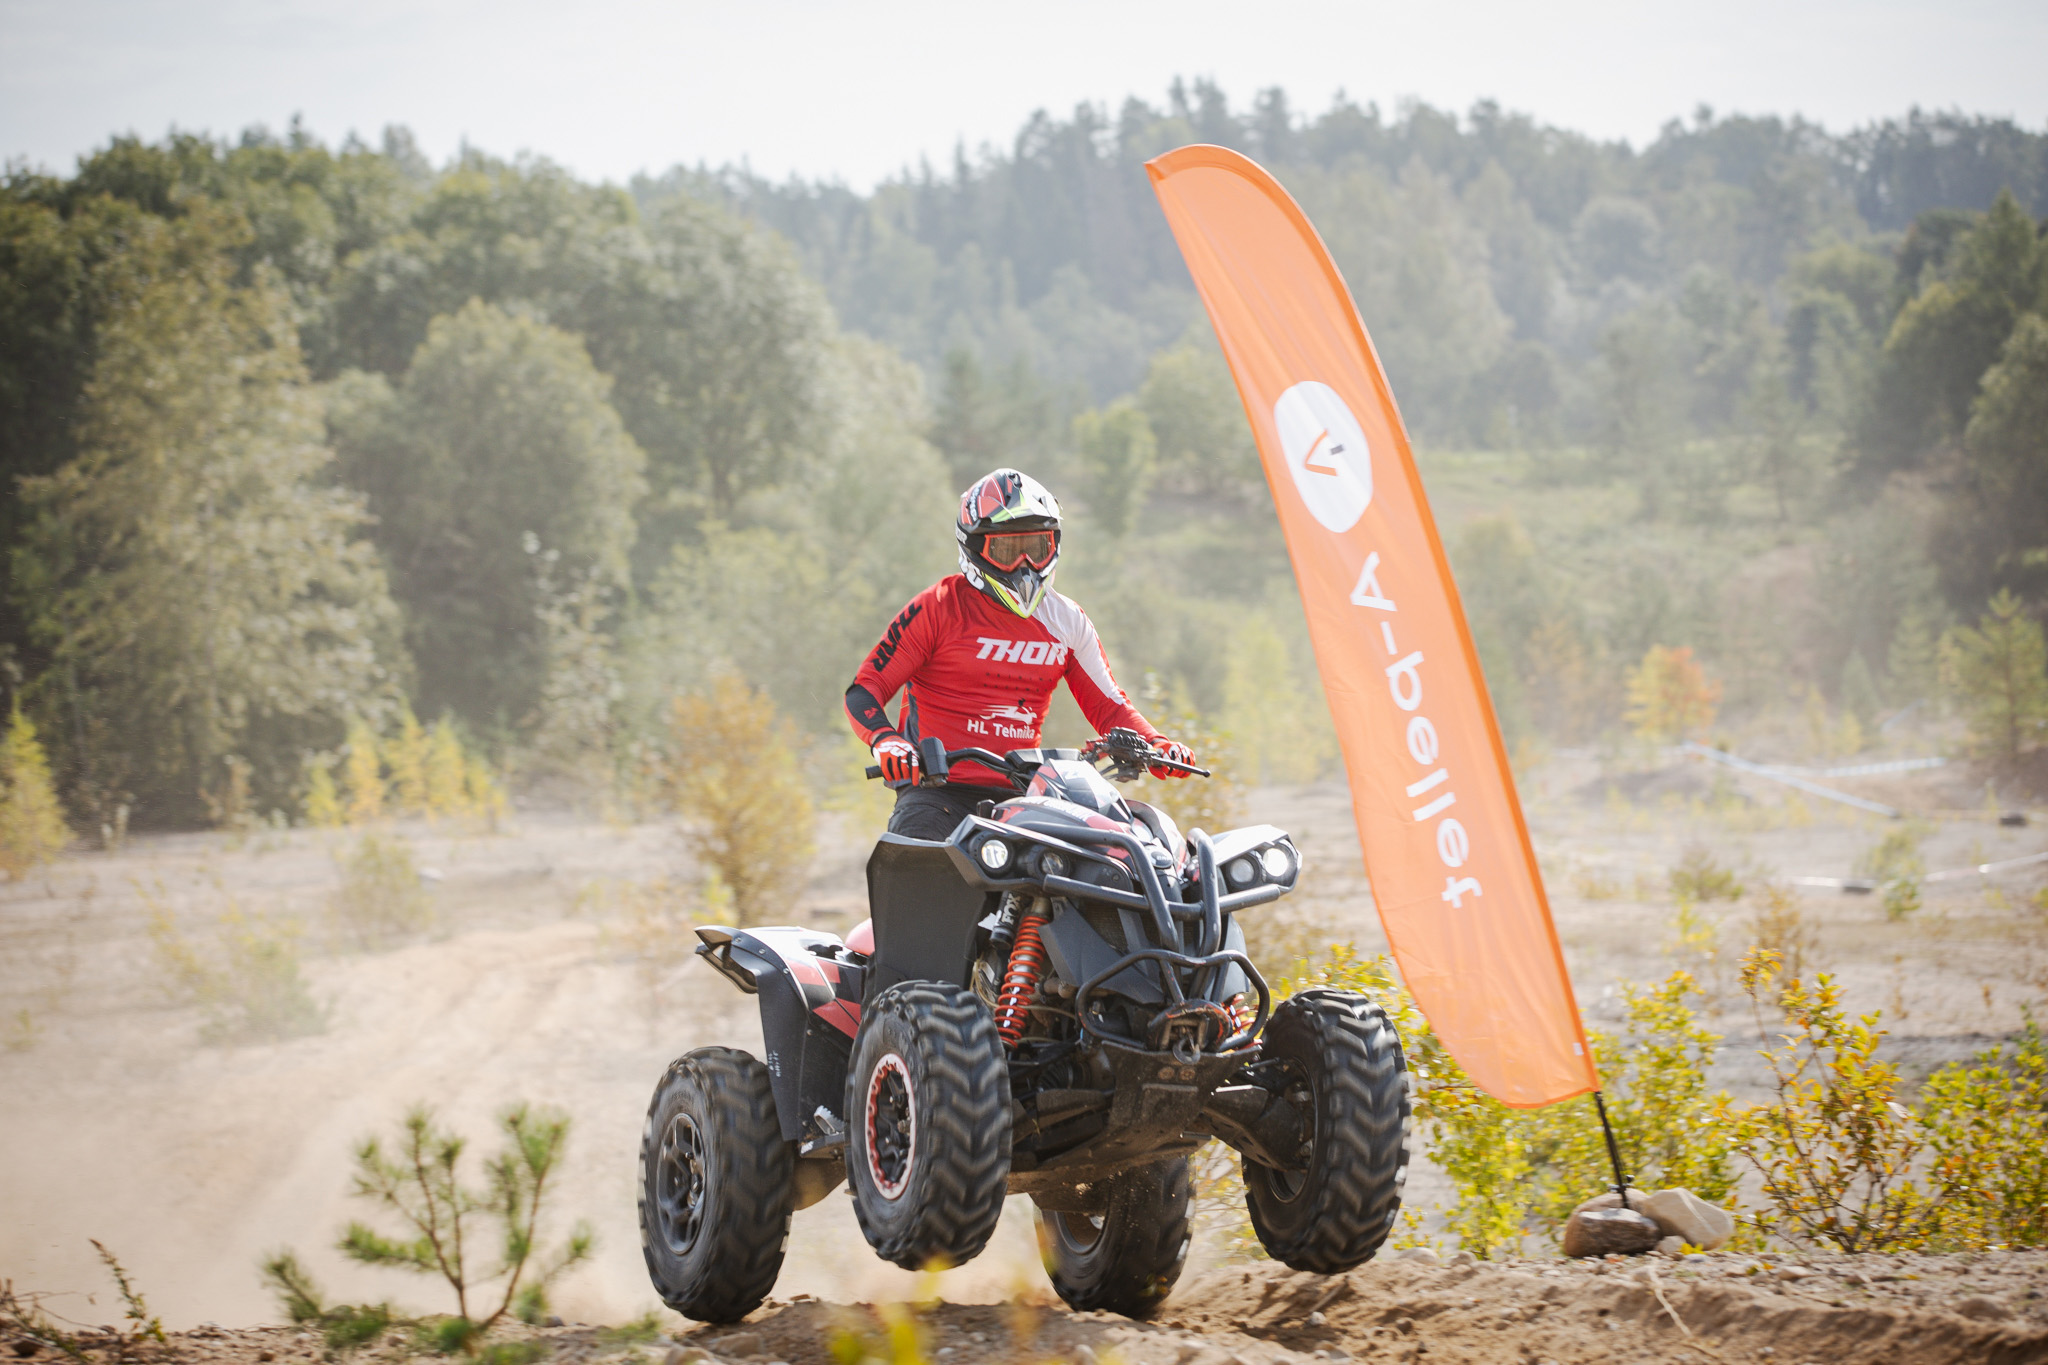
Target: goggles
(1008, 550)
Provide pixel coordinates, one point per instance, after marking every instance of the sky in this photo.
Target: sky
(855, 92)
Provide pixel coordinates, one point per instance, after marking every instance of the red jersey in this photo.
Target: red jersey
(977, 676)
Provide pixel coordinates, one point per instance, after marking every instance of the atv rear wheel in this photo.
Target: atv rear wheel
(928, 1124)
(1127, 1258)
(1347, 1075)
(715, 1180)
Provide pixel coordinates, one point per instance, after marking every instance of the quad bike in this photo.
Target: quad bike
(1055, 1000)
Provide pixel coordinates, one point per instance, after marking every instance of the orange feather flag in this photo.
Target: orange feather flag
(1445, 844)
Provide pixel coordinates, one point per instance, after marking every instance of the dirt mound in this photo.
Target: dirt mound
(1987, 1309)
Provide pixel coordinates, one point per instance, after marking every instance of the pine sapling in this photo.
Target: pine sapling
(421, 1184)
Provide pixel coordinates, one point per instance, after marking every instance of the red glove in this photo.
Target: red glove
(1173, 751)
(897, 757)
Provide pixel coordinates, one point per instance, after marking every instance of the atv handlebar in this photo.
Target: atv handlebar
(1129, 755)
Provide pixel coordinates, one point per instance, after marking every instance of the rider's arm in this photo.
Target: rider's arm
(894, 660)
(1087, 672)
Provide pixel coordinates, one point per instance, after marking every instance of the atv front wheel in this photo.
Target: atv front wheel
(928, 1125)
(1127, 1258)
(715, 1178)
(1346, 1074)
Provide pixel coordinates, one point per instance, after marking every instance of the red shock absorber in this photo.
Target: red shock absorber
(1020, 980)
(1242, 1011)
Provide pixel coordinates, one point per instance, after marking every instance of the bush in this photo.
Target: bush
(25, 1318)
(1894, 862)
(245, 975)
(32, 830)
(380, 901)
(1670, 696)
(1517, 1172)
(733, 771)
(1987, 1130)
(1698, 876)
(322, 806)
(363, 775)
(1835, 1149)
(1780, 927)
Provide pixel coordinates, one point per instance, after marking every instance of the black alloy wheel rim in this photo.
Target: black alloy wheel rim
(1081, 1232)
(1287, 1184)
(679, 1185)
(892, 1127)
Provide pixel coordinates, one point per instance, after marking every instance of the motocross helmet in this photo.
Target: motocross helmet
(1009, 534)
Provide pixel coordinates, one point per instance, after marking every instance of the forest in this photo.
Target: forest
(303, 440)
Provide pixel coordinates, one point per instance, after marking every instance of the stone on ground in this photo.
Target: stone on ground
(1607, 1232)
(1681, 1213)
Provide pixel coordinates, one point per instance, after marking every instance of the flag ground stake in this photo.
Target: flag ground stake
(1613, 1149)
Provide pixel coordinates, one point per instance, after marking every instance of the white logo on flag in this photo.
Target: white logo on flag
(1326, 453)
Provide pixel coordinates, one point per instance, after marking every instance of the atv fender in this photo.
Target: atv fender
(810, 1010)
(924, 914)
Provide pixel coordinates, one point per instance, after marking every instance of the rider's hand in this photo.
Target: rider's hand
(1173, 751)
(898, 759)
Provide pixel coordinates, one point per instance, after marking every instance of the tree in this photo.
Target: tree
(1944, 340)
(1205, 445)
(717, 342)
(1993, 532)
(196, 577)
(734, 772)
(1119, 454)
(500, 435)
(32, 828)
(1998, 672)
(1670, 696)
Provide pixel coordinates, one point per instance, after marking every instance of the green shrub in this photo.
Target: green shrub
(1894, 862)
(1520, 1172)
(1987, 1130)
(1834, 1149)
(245, 975)
(32, 829)
(380, 901)
(1699, 876)
(733, 771)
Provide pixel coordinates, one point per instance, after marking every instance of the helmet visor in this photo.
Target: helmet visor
(1010, 549)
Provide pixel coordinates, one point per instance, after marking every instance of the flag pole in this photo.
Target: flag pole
(1613, 1148)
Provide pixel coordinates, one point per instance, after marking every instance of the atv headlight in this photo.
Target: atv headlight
(1240, 871)
(994, 854)
(1277, 862)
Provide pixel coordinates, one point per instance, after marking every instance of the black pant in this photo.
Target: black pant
(935, 812)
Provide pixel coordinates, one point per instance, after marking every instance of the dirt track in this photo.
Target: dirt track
(190, 1161)
(1872, 1310)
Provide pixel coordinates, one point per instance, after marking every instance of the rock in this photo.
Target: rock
(1611, 1200)
(551, 1321)
(1463, 1257)
(1794, 1272)
(1607, 1232)
(1681, 1213)
(1671, 1246)
(688, 1355)
(1426, 1255)
(741, 1344)
(1983, 1307)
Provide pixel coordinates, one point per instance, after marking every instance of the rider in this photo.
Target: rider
(978, 654)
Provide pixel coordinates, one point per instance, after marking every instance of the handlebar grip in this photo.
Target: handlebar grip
(874, 771)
